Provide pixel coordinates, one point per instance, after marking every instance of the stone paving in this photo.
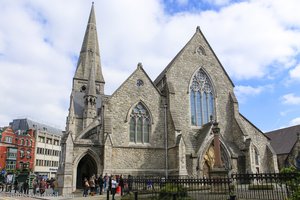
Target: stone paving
(48, 196)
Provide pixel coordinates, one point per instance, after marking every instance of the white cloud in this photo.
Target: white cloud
(249, 38)
(243, 92)
(38, 40)
(218, 2)
(295, 73)
(291, 99)
(295, 121)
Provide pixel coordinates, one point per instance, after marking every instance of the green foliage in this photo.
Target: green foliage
(169, 190)
(293, 184)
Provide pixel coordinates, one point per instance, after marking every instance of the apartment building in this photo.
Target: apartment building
(47, 146)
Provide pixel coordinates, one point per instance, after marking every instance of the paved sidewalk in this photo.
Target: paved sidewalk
(75, 196)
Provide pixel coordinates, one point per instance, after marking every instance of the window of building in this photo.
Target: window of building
(10, 165)
(139, 124)
(21, 153)
(49, 141)
(41, 139)
(56, 142)
(202, 99)
(28, 154)
(8, 139)
(12, 153)
(20, 165)
(21, 142)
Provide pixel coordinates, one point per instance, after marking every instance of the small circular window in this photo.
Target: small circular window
(139, 82)
(83, 88)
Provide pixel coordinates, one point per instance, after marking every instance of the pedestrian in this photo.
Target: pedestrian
(34, 186)
(54, 185)
(129, 183)
(92, 185)
(114, 186)
(121, 184)
(26, 187)
(86, 187)
(105, 181)
(43, 186)
(16, 185)
(100, 182)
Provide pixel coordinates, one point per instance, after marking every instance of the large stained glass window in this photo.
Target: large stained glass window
(201, 99)
(139, 124)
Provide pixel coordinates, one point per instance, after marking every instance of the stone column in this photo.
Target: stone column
(218, 170)
(217, 148)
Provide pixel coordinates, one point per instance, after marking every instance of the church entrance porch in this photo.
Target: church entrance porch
(86, 168)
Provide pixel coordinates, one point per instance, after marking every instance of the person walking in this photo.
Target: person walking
(16, 185)
(121, 184)
(86, 187)
(26, 187)
(105, 181)
(43, 186)
(100, 182)
(114, 186)
(34, 186)
(92, 185)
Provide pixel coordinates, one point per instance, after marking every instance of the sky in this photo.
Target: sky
(257, 42)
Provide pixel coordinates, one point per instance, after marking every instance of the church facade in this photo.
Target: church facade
(161, 127)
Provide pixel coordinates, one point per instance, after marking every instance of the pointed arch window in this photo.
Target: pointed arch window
(201, 99)
(139, 124)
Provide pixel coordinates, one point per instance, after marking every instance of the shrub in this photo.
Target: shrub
(169, 190)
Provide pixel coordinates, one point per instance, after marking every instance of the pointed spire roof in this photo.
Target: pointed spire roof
(91, 87)
(71, 109)
(89, 52)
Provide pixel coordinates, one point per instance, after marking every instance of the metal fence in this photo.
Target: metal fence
(271, 186)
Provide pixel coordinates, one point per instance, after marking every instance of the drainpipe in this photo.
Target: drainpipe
(166, 140)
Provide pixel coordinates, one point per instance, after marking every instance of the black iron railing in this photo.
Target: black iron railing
(268, 186)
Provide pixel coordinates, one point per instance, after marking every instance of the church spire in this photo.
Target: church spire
(90, 111)
(90, 55)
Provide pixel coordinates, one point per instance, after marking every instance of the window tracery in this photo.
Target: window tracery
(202, 99)
(139, 124)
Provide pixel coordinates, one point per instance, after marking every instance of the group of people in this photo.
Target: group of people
(99, 185)
(39, 185)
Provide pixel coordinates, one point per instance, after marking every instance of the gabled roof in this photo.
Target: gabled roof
(139, 67)
(198, 31)
(283, 140)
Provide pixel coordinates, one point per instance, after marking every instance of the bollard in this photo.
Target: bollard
(107, 197)
(135, 195)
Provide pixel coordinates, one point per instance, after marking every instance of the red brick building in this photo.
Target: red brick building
(8, 150)
(26, 149)
(17, 149)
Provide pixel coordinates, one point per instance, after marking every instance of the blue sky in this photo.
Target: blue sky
(258, 43)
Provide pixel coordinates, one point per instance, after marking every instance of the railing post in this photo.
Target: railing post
(174, 196)
(107, 196)
(135, 195)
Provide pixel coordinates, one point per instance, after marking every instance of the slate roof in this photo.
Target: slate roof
(25, 124)
(78, 98)
(283, 140)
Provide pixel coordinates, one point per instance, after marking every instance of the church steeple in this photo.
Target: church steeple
(90, 110)
(89, 56)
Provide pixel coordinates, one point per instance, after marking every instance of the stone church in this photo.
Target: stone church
(161, 127)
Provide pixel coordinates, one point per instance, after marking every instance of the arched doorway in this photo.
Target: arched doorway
(85, 169)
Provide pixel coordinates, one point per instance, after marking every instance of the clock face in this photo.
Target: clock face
(139, 82)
